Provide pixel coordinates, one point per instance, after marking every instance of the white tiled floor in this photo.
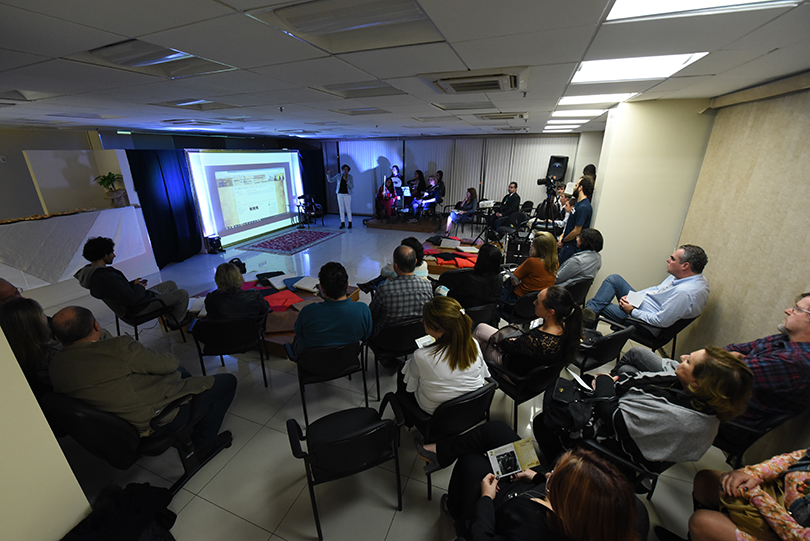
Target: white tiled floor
(256, 490)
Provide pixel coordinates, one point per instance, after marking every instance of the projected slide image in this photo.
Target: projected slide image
(249, 195)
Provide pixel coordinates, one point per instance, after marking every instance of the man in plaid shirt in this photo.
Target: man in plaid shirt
(402, 297)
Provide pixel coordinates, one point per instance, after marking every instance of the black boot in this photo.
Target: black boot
(341, 225)
(350, 225)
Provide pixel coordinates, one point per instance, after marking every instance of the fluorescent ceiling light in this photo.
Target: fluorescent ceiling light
(191, 102)
(570, 121)
(324, 17)
(596, 98)
(663, 9)
(562, 127)
(633, 69)
(579, 112)
(556, 131)
(135, 54)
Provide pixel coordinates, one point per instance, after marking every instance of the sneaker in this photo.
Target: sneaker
(342, 226)
(350, 225)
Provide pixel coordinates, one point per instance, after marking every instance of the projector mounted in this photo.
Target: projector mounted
(477, 81)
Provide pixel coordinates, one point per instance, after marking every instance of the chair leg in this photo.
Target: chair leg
(315, 510)
(377, 375)
(652, 489)
(222, 360)
(261, 356)
(430, 487)
(399, 478)
(304, 405)
(515, 426)
(117, 327)
(136, 333)
(202, 365)
(365, 385)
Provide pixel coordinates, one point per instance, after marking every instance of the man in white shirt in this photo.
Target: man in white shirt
(682, 295)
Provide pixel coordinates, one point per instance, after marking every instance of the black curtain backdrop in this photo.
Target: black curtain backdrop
(163, 183)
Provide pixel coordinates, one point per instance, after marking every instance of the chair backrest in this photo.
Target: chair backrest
(527, 206)
(604, 349)
(399, 338)
(461, 413)
(668, 333)
(524, 307)
(482, 314)
(579, 289)
(323, 361)
(352, 452)
(224, 336)
(105, 435)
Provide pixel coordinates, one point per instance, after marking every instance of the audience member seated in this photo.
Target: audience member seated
(579, 219)
(538, 271)
(780, 364)
(388, 271)
(26, 329)
(337, 320)
(465, 211)
(120, 376)
(766, 501)
(386, 200)
(584, 264)
(554, 343)
(479, 285)
(417, 184)
(402, 297)
(8, 292)
(429, 199)
(107, 283)
(661, 417)
(448, 368)
(509, 205)
(229, 301)
(440, 185)
(584, 498)
(681, 295)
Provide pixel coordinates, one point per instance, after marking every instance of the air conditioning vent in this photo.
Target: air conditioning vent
(503, 116)
(478, 81)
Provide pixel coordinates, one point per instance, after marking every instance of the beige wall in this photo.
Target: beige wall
(41, 498)
(647, 170)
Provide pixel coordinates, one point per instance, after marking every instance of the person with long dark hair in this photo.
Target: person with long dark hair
(553, 343)
(480, 285)
(465, 210)
(26, 329)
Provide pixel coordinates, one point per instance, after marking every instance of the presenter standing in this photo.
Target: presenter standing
(345, 184)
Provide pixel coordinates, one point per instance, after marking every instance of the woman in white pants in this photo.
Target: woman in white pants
(345, 184)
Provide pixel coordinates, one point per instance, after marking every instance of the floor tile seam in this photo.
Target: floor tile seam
(272, 417)
(231, 513)
(227, 462)
(305, 487)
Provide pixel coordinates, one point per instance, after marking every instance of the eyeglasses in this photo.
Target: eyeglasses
(797, 309)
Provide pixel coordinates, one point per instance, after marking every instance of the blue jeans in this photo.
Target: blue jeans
(219, 397)
(614, 287)
(568, 249)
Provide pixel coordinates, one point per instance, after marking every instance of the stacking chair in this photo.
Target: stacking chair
(133, 320)
(317, 365)
(116, 441)
(453, 417)
(482, 314)
(734, 439)
(600, 350)
(520, 312)
(345, 443)
(522, 388)
(579, 290)
(643, 336)
(229, 336)
(644, 479)
(392, 343)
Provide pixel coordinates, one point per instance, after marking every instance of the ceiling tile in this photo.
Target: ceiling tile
(13, 59)
(28, 32)
(126, 17)
(236, 40)
(780, 32)
(317, 72)
(458, 20)
(68, 77)
(406, 61)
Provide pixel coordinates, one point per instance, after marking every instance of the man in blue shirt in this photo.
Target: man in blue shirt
(682, 295)
(580, 219)
(337, 320)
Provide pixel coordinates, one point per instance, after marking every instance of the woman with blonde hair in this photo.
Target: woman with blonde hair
(538, 272)
(229, 301)
(449, 367)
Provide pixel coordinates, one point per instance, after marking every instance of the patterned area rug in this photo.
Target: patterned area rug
(291, 242)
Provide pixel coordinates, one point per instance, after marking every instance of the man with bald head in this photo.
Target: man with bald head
(402, 297)
(125, 378)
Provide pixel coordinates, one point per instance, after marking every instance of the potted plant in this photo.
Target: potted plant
(116, 198)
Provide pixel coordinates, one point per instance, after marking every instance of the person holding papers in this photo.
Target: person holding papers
(335, 321)
(682, 295)
(584, 498)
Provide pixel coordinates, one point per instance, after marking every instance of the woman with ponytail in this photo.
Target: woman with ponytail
(449, 367)
(555, 342)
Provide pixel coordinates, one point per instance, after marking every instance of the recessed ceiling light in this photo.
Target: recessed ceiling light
(556, 131)
(579, 112)
(562, 126)
(570, 121)
(596, 98)
(662, 9)
(633, 69)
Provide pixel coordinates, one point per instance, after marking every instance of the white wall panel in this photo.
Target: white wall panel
(530, 160)
(497, 167)
(467, 169)
(429, 155)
